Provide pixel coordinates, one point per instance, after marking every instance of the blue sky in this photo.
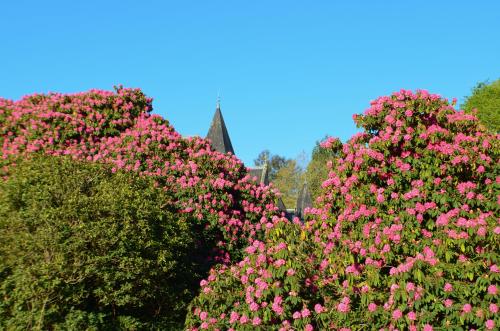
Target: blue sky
(289, 72)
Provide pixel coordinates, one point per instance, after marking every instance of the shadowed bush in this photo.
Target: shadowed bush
(84, 248)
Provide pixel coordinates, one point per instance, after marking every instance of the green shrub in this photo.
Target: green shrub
(84, 248)
(485, 99)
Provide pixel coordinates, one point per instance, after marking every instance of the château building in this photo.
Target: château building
(220, 141)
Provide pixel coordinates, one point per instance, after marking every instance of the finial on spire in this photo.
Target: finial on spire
(218, 100)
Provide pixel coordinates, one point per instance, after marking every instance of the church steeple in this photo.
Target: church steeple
(218, 132)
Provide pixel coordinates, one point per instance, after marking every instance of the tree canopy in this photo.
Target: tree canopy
(317, 169)
(485, 99)
(288, 181)
(275, 162)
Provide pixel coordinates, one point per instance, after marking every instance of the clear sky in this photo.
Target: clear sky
(289, 72)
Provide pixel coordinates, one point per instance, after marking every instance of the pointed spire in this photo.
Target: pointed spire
(281, 205)
(265, 174)
(303, 201)
(260, 173)
(218, 132)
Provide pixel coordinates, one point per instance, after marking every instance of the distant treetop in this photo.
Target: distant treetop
(486, 99)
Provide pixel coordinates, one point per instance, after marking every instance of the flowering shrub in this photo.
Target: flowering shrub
(117, 128)
(406, 235)
(210, 189)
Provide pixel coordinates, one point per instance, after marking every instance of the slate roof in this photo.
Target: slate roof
(218, 133)
(281, 205)
(303, 201)
(261, 173)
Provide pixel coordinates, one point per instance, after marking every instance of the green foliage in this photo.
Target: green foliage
(288, 181)
(274, 162)
(486, 99)
(263, 263)
(317, 169)
(285, 174)
(82, 248)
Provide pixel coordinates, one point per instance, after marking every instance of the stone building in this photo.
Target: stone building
(220, 141)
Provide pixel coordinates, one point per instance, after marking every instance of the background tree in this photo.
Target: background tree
(486, 99)
(275, 162)
(288, 181)
(317, 169)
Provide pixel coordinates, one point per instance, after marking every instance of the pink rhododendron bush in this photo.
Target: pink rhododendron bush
(118, 128)
(228, 210)
(406, 235)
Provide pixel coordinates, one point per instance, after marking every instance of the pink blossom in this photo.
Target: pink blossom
(448, 303)
(448, 287)
(250, 249)
(492, 289)
(318, 308)
(254, 306)
(306, 313)
(467, 308)
(343, 306)
(397, 314)
(233, 317)
(490, 324)
(279, 263)
(244, 319)
(256, 320)
(410, 287)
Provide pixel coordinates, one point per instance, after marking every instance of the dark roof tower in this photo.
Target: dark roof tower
(218, 133)
(262, 174)
(303, 201)
(281, 206)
